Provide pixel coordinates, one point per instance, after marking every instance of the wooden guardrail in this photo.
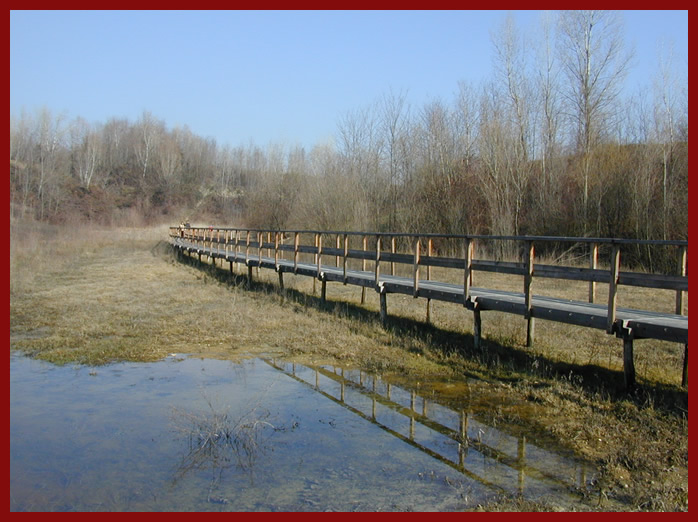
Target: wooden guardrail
(370, 260)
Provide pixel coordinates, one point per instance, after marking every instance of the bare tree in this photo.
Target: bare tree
(50, 135)
(548, 87)
(545, 113)
(394, 119)
(86, 149)
(510, 69)
(466, 119)
(117, 152)
(22, 149)
(595, 62)
(514, 116)
(665, 117)
(148, 128)
(497, 146)
(360, 148)
(330, 200)
(225, 168)
(169, 157)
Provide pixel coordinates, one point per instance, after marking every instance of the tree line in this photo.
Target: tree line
(548, 144)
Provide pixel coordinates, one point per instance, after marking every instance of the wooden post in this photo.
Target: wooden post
(198, 246)
(417, 255)
(682, 273)
(628, 361)
(383, 307)
(230, 243)
(247, 248)
(477, 329)
(613, 289)
(323, 291)
(363, 269)
(336, 259)
(378, 259)
(392, 251)
(319, 255)
(276, 250)
(316, 259)
(210, 244)
(528, 280)
(593, 264)
(295, 252)
(430, 246)
(468, 269)
(259, 250)
(344, 261)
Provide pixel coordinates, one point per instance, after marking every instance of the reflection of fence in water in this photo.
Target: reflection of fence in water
(492, 457)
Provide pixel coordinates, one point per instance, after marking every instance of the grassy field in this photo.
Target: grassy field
(92, 296)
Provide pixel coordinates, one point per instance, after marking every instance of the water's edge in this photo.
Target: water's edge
(261, 434)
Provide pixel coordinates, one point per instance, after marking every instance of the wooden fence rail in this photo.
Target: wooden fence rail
(326, 256)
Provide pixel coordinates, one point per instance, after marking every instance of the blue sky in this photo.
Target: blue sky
(270, 77)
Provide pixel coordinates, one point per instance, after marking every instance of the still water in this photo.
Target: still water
(191, 434)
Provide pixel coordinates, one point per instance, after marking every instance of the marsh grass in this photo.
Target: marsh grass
(94, 296)
(218, 438)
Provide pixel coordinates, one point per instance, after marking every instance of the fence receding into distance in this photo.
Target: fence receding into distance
(392, 263)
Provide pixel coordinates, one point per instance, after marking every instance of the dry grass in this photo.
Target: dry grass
(656, 362)
(94, 296)
(97, 296)
(217, 439)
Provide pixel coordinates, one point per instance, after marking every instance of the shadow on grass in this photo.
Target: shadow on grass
(499, 361)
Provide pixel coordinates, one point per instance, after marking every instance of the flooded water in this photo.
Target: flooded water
(190, 434)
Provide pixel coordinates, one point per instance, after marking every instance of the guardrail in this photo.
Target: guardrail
(371, 260)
